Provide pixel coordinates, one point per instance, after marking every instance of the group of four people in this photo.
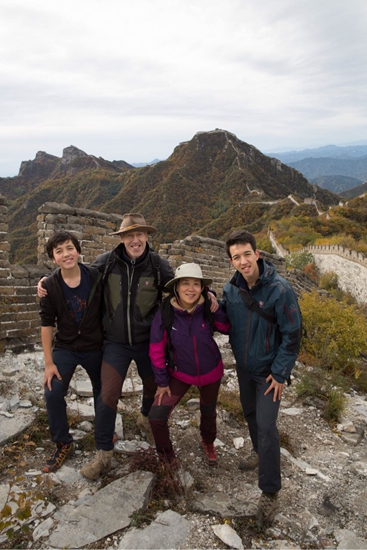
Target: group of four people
(111, 313)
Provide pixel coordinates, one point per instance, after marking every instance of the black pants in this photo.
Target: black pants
(66, 362)
(115, 364)
(261, 414)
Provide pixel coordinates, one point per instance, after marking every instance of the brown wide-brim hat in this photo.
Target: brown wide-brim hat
(134, 222)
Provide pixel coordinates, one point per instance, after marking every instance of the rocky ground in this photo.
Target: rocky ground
(323, 502)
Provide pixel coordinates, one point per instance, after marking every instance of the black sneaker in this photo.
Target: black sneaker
(56, 460)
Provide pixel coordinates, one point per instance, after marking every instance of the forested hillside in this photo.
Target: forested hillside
(210, 185)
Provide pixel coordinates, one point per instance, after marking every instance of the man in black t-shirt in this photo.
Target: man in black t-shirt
(73, 303)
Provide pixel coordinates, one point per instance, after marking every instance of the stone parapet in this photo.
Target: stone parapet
(342, 251)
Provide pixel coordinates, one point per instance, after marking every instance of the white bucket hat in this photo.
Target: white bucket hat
(188, 270)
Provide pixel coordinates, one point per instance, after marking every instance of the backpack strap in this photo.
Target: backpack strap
(155, 261)
(109, 265)
(167, 318)
(253, 305)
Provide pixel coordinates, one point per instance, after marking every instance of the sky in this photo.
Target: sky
(131, 79)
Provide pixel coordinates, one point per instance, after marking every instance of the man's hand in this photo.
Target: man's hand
(41, 292)
(214, 306)
(276, 386)
(50, 371)
(160, 393)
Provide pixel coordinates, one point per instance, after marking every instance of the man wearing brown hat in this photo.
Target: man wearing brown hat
(132, 274)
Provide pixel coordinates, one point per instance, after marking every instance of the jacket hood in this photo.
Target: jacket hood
(267, 273)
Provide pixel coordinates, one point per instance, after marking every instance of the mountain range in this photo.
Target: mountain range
(211, 184)
(332, 167)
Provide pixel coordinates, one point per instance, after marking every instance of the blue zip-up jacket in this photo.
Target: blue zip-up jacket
(260, 346)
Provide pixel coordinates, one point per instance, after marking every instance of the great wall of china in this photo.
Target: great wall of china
(19, 318)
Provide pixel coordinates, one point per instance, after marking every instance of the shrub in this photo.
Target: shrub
(328, 280)
(334, 405)
(335, 332)
(327, 387)
(312, 272)
(299, 260)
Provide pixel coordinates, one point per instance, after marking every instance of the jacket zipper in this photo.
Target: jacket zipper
(128, 315)
(247, 336)
(196, 353)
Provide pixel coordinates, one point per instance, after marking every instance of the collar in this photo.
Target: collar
(176, 305)
(122, 254)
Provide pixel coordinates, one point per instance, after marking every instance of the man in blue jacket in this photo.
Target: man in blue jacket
(265, 337)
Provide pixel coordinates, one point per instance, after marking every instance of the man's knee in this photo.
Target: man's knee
(57, 392)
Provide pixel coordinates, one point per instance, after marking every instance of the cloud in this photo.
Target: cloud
(131, 79)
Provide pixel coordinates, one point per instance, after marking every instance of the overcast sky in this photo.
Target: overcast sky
(131, 79)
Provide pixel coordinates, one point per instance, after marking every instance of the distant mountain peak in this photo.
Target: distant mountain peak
(71, 153)
(41, 167)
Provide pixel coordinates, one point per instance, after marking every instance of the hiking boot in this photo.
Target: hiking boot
(144, 426)
(101, 464)
(56, 460)
(210, 452)
(267, 509)
(249, 463)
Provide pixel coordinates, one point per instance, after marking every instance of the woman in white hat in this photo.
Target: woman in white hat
(184, 353)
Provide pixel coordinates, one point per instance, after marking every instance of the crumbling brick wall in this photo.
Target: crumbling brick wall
(19, 318)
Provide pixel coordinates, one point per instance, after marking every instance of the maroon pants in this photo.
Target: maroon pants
(159, 415)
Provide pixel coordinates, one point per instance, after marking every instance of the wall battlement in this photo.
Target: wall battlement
(347, 253)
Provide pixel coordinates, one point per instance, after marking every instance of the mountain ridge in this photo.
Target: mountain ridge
(211, 184)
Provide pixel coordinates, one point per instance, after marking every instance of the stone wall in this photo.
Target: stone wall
(342, 251)
(91, 228)
(352, 276)
(350, 267)
(19, 318)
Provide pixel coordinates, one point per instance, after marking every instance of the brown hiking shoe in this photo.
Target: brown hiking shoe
(249, 463)
(101, 464)
(56, 460)
(267, 509)
(144, 426)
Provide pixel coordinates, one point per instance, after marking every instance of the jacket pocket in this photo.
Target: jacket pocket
(146, 296)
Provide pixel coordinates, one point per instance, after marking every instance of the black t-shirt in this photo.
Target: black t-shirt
(77, 297)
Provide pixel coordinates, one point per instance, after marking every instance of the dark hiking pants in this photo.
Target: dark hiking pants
(115, 364)
(261, 414)
(66, 362)
(159, 415)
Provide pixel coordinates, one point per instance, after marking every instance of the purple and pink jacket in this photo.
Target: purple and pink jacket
(197, 356)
